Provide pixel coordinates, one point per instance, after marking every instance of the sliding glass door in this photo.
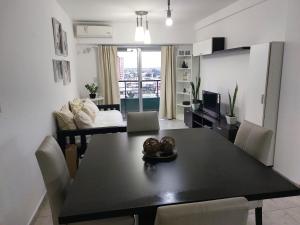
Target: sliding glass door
(139, 79)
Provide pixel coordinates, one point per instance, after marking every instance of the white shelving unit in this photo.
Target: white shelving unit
(183, 78)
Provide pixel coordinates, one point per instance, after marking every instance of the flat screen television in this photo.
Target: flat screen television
(211, 103)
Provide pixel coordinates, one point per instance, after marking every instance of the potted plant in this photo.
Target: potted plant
(230, 117)
(92, 88)
(195, 92)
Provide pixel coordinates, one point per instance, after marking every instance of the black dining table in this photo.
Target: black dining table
(113, 179)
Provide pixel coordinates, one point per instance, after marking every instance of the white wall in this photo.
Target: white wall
(28, 96)
(246, 22)
(243, 23)
(87, 69)
(123, 33)
(259, 21)
(287, 156)
(220, 73)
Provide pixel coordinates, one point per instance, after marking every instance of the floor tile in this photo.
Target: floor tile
(294, 213)
(280, 203)
(278, 217)
(45, 220)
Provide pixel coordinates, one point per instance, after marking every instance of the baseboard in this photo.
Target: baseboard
(35, 213)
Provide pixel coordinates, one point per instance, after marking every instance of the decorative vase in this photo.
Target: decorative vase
(195, 106)
(230, 119)
(92, 95)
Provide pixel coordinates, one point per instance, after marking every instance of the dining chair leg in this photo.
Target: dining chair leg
(147, 217)
(258, 216)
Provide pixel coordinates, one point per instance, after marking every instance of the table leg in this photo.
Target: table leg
(258, 216)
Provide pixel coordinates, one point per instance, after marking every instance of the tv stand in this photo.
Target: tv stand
(195, 119)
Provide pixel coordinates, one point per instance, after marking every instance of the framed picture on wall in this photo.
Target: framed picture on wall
(57, 70)
(57, 36)
(66, 72)
(64, 42)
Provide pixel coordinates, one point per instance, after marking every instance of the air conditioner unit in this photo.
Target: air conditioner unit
(93, 31)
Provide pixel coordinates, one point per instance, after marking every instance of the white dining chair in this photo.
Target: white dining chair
(56, 177)
(232, 211)
(142, 121)
(255, 141)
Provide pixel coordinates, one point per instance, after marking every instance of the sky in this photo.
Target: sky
(149, 59)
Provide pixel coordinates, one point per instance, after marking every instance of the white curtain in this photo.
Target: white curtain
(108, 77)
(167, 106)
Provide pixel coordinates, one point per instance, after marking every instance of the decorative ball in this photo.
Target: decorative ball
(167, 145)
(151, 146)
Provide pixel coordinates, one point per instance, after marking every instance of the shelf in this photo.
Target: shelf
(183, 81)
(183, 93)
(183, 68)
(185, 106)
(244, 48)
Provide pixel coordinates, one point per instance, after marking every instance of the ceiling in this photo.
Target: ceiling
(183, 11)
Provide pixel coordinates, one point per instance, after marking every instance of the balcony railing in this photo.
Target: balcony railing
(129, 95)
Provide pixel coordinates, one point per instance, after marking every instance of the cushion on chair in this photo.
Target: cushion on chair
(142, 121)
(255, 140)
(233, 211)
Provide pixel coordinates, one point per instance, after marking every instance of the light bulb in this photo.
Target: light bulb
(169, 21)
(139, 33)
(147, 39)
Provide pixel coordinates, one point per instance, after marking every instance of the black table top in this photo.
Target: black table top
(113, 180)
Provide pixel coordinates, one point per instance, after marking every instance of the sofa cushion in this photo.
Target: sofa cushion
(111, 118)
(83, 120)
(89, 111)
(76, 105)
(65, 118)
(88, 102)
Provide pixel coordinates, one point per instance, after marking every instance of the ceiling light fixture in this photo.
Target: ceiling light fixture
(142, 35)
(169, 21)
(139, 30)
(147, 37)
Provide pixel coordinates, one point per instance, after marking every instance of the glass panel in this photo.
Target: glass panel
(151, 62)
(128, 81)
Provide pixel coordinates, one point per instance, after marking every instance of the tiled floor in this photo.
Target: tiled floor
(283, 211)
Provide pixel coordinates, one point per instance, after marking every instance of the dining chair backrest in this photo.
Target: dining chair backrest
(232, 211)
(142, 121)
(256, 141)
(55, 174)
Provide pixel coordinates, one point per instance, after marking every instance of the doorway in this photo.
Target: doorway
(139, 78)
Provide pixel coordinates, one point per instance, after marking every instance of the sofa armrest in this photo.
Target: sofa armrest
(109, 107)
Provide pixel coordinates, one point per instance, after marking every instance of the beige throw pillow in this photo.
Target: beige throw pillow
(65, 119)
(92, 105)
(83, 120)
(76, 105)
(89, 111)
